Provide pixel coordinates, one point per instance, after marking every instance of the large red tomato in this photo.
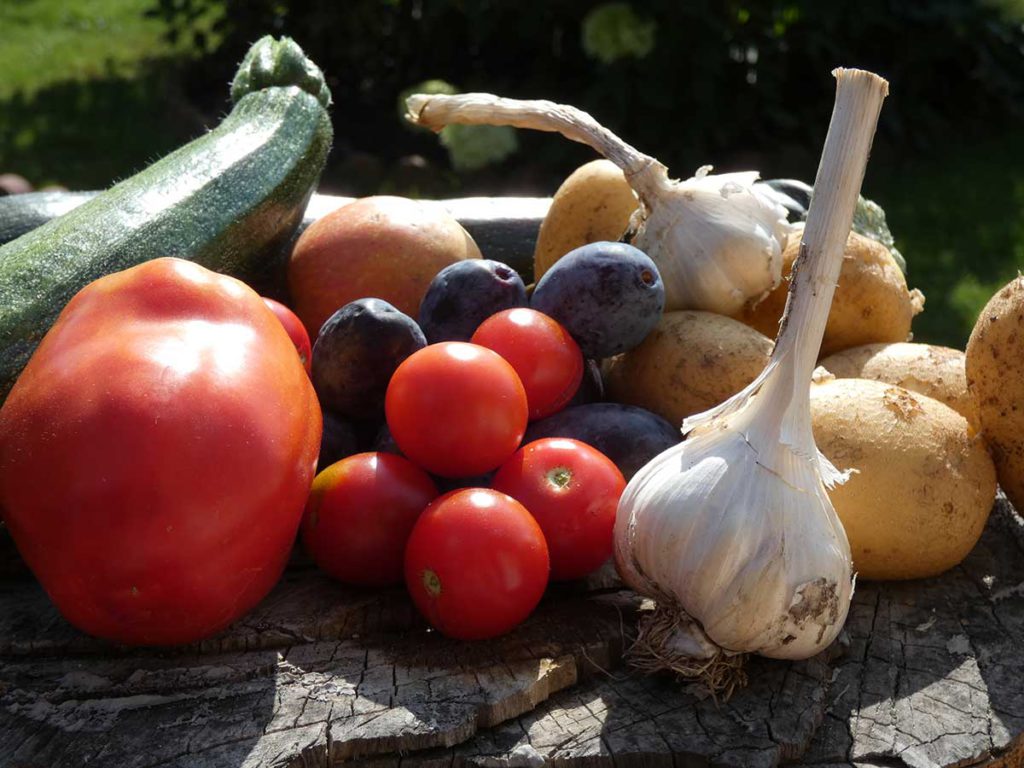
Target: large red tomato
(156, 454)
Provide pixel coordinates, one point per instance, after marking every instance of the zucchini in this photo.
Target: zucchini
(505, 228)
(23, 213)
(231, 200)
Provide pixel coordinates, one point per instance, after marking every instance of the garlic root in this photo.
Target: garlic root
(668, 639)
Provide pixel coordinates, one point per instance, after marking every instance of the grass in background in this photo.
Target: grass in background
(88, 92)
(48, 42)
(958, 218)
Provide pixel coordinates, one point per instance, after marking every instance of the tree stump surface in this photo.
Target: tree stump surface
(926, 673)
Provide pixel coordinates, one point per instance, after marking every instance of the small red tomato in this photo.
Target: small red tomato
(456, 409)
(359, 516)
(572, 490)
(476, 563)
(545, 356)
(296, 331)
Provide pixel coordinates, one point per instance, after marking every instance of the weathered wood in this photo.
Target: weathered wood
(932, 674)
(317, 668)
(935, 672)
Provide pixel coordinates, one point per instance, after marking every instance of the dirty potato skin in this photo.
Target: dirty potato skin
(938, 372)
(924, 483)
(871, 302)
(995, 378)
(690, 362)
(594, 203)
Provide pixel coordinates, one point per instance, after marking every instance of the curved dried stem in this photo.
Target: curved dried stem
(436, 111)
(844, 158)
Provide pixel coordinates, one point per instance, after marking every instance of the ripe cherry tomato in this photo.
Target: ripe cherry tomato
(360, 513)
(476, 563)
(456, 409)
(572, 490)
(545, 356)
(296, 331)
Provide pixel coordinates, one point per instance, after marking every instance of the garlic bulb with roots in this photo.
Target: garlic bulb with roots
(732, 531)
(717, 239)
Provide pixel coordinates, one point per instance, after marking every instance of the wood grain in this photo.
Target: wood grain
(928, 673)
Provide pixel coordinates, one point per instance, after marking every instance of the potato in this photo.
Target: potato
(995, 379)
(924, 482)
(937, 372)
(871, 302)
(594, 203)
(689, 363)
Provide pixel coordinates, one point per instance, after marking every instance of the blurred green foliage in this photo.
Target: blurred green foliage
(729, 82)
(734, 83)
(613, 31)
(469, 146)
(47, 43)
(91, 91)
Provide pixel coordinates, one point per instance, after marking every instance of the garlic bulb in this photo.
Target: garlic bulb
(717, 239)
(731, 531)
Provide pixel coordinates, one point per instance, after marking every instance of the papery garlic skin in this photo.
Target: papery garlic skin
(744, 540)
(717, 239)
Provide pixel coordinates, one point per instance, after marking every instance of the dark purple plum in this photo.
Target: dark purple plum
(591, 389)
(464, 294)
(609, 296)
(384, 442)
(628, 435)
(339, 440)
(357, 350)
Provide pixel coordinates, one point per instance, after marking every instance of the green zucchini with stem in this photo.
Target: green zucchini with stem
(231, 200)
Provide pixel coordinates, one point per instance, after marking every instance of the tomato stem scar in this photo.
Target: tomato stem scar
(431, 583)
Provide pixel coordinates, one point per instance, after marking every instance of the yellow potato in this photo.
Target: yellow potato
(871, 302)
(594, 203)
(690, 362)
(937, 372)
(995, 378)
(924, 482)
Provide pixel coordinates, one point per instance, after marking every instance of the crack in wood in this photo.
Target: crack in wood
(375, 690)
